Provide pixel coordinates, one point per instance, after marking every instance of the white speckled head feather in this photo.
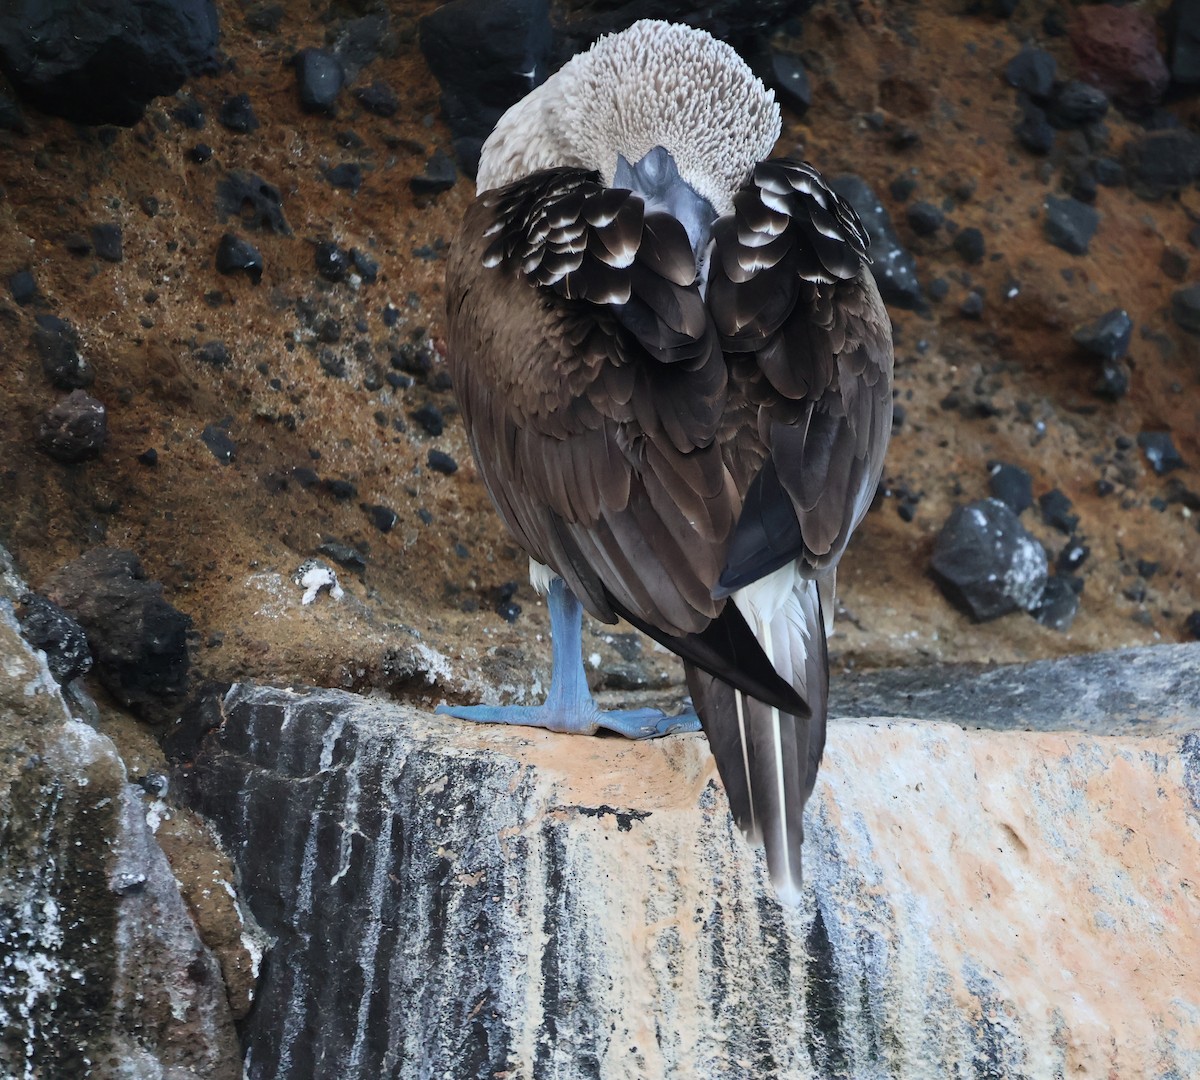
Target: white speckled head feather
(655, 84)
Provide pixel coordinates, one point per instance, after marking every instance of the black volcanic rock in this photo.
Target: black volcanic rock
(1108, 336)
(1032, 70)
(256, 203)
(924, 218)
(1075, 104)
(1185, 307)
(47, 627)
(986, 563)
(108, 242)
(1160, 451)
(893, 265)
(1070, 224)
(75, 429)
(1012, 485)
(319, 79)
(439, 175)
(378, 98)
(57, 343)
(138, 640)
(509, 45)
(237, 114)
(103, 63)
(235, 255)
(1162, 162)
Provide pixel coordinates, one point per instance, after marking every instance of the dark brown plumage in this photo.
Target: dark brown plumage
(689, 447)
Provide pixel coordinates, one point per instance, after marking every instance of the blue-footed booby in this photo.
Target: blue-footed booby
(675, 372)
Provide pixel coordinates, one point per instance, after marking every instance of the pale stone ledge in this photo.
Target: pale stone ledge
(447, 900)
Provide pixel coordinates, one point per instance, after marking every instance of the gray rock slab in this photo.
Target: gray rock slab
(462, 901)
(102, 971)
(1152, 690)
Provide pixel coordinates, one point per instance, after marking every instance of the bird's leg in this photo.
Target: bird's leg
(569, 706)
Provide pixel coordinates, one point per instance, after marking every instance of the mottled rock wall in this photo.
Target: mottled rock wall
(453, 901)
(102, 972)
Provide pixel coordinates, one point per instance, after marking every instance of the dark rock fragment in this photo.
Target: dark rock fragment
(1072, 556)
(368, 268)
(1034, 131)
(441, 462)
(77, 244)
(217, 439)
(1112, 384)
(384, 518)
(319, 79)
(924, 218)
(1108, 172)
(236, 255)
(429, 416)
(333, 264)
(1070, 224)
(1192, 624)
(257, 203)
(1174, 262)
(343, 554)
(149, 458)
(986, 563)
(200, 153)
(214, 353)
(57, 343)
(1059, 603)
(342, 490)
(1185, 307)
(47, 627)
(970, 245)
(1162, 162)
(74, 429)
(237, 114)
(786, 75)
(1012, 485)
(378, 98)
(108, 242)
(189, 113)
(1160, 451)
(972, 308)
(1107, 336)
(1183, 42)
(138, 640)
(1032, 70)
(509, 42)
(894, 267)
(103, 63)
(1075, 104)
(23, 287)
(1056, 511)
(439, 175)
(348, 176)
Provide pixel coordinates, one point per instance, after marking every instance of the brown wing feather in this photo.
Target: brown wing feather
(592, 384)
(809, 344)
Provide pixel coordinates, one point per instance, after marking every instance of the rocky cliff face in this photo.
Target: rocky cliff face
(102, 970)
(446, 900)
(230, 448)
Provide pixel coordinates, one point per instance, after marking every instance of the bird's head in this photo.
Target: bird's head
(656, 84)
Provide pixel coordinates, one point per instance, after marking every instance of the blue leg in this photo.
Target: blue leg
(569, 706)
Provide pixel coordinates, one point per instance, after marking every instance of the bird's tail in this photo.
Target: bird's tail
(768, 758)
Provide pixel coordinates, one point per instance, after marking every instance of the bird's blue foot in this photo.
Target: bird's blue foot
(632, 723)
(569, 707)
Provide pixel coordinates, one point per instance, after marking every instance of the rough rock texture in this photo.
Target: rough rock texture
(1149, 691)
(102, 62)
(450, 900)
(102, 972)
(139, 641)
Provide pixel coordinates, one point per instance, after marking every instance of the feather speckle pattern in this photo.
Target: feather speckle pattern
(688, 438)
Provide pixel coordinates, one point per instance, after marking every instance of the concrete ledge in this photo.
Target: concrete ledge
(447, 900)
